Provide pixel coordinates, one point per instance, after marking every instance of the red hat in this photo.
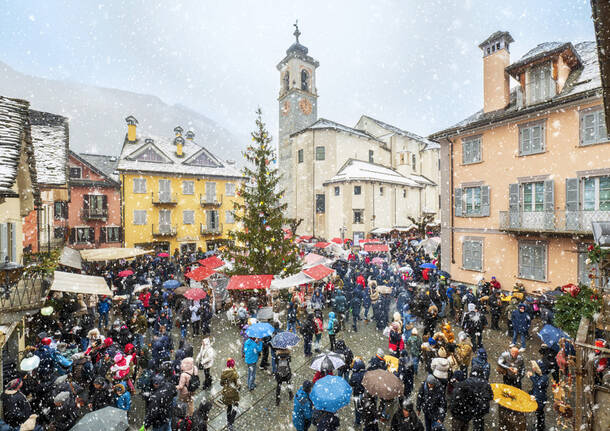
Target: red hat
(108, 342)
(46, 341)
(129, 347)
(230, 363)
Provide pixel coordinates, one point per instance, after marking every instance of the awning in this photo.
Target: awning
(318, 272)
(112, 253)
(70, 257)
(404, 228)
(337, 240)
(293, 280)
(322, 244)
(380, 230)
(306, 237)
(79, 283)
(200, 273)
(212, 262)
(313, 258)
(249, 282)
(376, 248)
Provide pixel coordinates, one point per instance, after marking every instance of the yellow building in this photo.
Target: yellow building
(175, 194)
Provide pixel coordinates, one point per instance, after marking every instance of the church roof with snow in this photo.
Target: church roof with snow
(359, 170)
(50, 137)
(430, 145)
(324, 124)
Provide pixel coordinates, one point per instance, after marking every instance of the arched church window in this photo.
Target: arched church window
(304, 80)
(286, 82)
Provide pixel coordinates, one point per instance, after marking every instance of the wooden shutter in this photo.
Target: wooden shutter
(3, 242)
(121, 234)
(86, 204)
(485, 201)
(549, 204)
(457, 196)
(103, 234)
(72, 235)
(465, 254)
(476, 255)
(91, 234)
(13, 241)
(514, 204)
(572, 203)
(104, 203)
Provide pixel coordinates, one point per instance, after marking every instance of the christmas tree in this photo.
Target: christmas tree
(261, 246)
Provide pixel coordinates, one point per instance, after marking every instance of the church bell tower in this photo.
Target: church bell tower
(298, 108)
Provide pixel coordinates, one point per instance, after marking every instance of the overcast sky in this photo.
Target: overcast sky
(412, 63)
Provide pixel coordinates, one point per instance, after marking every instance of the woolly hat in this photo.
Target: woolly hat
(61, 397)
(230, 363)
(431, 380)
(414, 331)
(119, 388)
(108, 342)
(471, 307)
(129, 348)
(46, 341)
(307, 386)
(432, 341)
(13, 384)
(118, 357)
(380, 352)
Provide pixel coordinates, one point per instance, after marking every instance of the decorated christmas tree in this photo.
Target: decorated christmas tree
(261, 246)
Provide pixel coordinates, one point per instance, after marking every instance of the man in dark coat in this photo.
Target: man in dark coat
(308, 330)
(406, 372)
(405, 419)
(357, 298)
(101, 394)
(521, 324)
(158, 410)
(377, 362)
(431, 401)
(65, 413)
(15, 405)
(470, 401)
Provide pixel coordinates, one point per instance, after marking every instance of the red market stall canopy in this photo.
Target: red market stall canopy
(306, 237)
(337, 240)
(376, 248)
(322, 244)
(250, 282)
(200, 273)
(318, 272)
(313, 258)
(212, 262)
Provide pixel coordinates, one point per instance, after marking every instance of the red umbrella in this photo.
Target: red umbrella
(163, 254)
(195, 294)
(125, 273)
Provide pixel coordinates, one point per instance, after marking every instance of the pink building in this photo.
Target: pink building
(94, 213)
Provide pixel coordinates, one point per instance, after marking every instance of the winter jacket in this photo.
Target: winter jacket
(432, 401)
(406, 372)
(159, 407)
(355, 380)
(470, 399)
(340, 302)
(401, 423)
(328, 422)
(229, 380)
(348, 357)
(205, 358)
(521, 321)
(16, 407)
(377, 363)
(463, 353)
(440, 368)
(540, 384)
(330, 327)
(65, 416)
(480, 363)
(124, 401)
(104, 306)
(100, 398)
(161, 348)
(507, 361)
(413, 345)
(188, 368)
(251, 351)
(302, 409)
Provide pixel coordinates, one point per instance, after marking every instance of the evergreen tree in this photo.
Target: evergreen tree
(260, 245)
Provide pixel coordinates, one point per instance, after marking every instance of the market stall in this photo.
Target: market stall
(79, 283)
(112, 253)
(243, 287)
(71, 258)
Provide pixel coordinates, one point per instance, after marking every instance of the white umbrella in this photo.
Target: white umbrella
(30, 363)
(327, 361)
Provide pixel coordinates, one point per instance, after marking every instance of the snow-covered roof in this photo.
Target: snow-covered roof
(581, 80)
(13, 122)
(50, 140)
(358, 170)
(173, 164)
(323, 123)
(107, 165)
(430, 145)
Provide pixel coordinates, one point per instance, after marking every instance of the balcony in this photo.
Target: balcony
(557, 222)
(210, 201)
(164, 198)
(92, 214)
(211, 229)
(165, 230)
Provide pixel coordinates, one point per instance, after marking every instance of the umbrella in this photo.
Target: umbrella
(200, 273)
(444, 274)
(364, 253)
(513, 398)
(427, 265)
(107, 419)
(180, 290)
(46, 311)
(330, 393)
(382, 384)
(550, 336)
(163, 254)
(405, 268)
(195, 294)
(142, 287)
(384, 290)
(171, 284)
(259, 330)
(285, 340)
(125, 273)
(30, 363)
(327, 362)
(377, 261)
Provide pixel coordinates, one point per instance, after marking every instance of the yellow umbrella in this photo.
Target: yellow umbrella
(506, 298)
(513, 398)
(392, 362)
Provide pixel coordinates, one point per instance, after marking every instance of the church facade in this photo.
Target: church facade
(343, 181)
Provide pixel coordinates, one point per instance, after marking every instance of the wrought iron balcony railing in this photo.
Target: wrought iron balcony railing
(560, 221)
(163, 230)
(164, 198)
(94, 213)
(210, 201)
(211, 229)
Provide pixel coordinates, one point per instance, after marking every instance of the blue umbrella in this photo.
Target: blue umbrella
(171, 284)
(330, 393)
(428, 265)
(259, 330)
(550, 336)
(285, 340)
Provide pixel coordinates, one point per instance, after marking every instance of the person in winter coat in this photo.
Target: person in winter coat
(521, 321)
(405, 419)
(319, 330)
(495, 308)
(291, 317)
(413, 346)
(440, 367)
(332, 327)
(120, 370)
(205, 361)
(395, 342)
(355, 381)
(229, 380)
(470, 402)
(200, 417)
(161, 348)
(357, 299)
(484, 395)
(540, 384)
(188, 370)
(550, 363)
(308, 330)
(252, 349)
(348, 357)
(195, 317)
(463, 352)
(480, 364)
(64, 414)
(431, 401)
(15, 405)
(327, 421)
(122, 397)
(302, 409)
(103, 307)
(340, 306)
(474, 322)
(406, 372)
(512, 367)
(101, 394)
(370, 413)
(283, 374)
(158, 410)
(378, 362)
(430, 319)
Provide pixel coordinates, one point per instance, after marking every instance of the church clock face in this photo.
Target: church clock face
(305, 106)
(285, 107)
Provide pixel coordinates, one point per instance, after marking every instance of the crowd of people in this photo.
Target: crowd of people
(91, 353)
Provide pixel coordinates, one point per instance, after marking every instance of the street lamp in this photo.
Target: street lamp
(343, 229)
(10, 276)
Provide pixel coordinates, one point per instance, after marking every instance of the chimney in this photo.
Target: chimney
(496, 57)
(131, 128)
(149, 141)
(179, 142)
(178, 131)
(190, 135)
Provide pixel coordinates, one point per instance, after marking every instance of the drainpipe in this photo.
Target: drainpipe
(313, 182)
(452, 203)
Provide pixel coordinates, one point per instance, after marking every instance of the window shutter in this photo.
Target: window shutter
(477, 255)
(465, 254)
(104, 202)
(13, 229)
(103, 234)
(602, 132)
(72, 235)
(3, 242)
(513, 204)
(477, 150)
(572, 200)
(485, 201)
(91, 234)
(457, 196)
(549, 204)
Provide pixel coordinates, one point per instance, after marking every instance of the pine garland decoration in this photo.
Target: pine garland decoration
(570, 309)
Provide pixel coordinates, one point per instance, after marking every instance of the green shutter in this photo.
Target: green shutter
(485, 201)
(465, 254)
(572, 203)
(457, 196)
(549, 204)
(3, 242)
(514, 205)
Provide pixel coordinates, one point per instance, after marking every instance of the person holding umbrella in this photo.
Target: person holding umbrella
(328, 395)
(540, 384)
(302, 410)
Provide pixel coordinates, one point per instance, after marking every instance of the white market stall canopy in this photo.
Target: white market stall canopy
(112, 253)
(293, 280)
(79, 283)
(70, 257)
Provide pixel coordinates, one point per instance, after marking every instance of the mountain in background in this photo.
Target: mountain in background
(97, 115)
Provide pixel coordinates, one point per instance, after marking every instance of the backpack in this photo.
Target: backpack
(194, 383)
(283, 367)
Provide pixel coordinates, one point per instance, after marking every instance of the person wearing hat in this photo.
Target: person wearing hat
(101, 394)
(303, 407)
(15, 405)
(405, 419)
(521, 324)
(158, 410)
(229, 380)
(65, 413)
(122, 397)
(378, 362)
(540, 383)
(431, 401)
(413, 346)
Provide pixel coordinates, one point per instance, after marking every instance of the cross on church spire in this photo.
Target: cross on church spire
(296, 33)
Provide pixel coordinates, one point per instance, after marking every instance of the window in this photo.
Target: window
(472, 200)
(230, 189)
(531, 139)
(320, 204)
(60, 210)
(75, 172)
(210, 192)
(358, 216)
(533, 196)
(380, 191)
(357, 190)
(596, 194)
(413, 162)
(229, 217)
(320, 153)
(304, 80)
(149, 155)
(286, 80)
(300, 155)
(188, 187)
(8, 242)
(593, 127)
(188, 217)
(532, 260)
(337, 190)
(472, 255)
(371, 156)
(110, 234)
(541, 85)
(139, 217)
(85, 234)
(139, 185)
(211, 218)
(95, 205)
(59, 233)
(471, 150)
(404, 193)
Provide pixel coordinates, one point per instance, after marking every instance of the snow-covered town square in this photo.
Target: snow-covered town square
(332, 216)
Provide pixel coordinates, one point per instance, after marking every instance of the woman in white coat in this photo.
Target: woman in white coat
(195, 317)
(205, 360)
